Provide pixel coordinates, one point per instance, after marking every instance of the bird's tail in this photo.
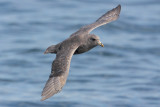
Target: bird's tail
(51, 49)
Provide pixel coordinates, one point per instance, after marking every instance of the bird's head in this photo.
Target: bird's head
(94, 40)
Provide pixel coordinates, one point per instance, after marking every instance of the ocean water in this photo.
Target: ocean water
(125, 73)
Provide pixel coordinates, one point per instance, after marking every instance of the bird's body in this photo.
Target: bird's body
(79, 42)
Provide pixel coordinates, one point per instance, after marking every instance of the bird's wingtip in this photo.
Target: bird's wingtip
(42, 99)
(119, 7)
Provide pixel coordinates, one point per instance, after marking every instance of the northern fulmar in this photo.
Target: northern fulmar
(79, 42)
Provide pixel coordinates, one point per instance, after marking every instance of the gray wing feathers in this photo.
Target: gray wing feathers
(60, 69)
(52, 87)
(110, 16)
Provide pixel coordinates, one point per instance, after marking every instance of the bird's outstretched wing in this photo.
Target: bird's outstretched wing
(59, 71)
(108, 17)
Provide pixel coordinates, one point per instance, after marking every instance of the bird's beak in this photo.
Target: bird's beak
(46, 52)
(100, 43)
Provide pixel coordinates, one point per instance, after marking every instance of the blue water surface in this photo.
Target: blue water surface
(125, 73)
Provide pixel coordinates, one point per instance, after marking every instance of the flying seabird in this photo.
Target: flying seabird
(79, 42)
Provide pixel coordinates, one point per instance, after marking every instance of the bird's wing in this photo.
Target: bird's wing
(110, 16)
(59, 71)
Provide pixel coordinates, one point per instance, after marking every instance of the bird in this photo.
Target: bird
(79, 42)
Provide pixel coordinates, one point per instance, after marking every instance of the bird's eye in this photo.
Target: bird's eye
(93, 39)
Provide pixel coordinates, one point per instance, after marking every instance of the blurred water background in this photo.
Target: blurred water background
(125, 73)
